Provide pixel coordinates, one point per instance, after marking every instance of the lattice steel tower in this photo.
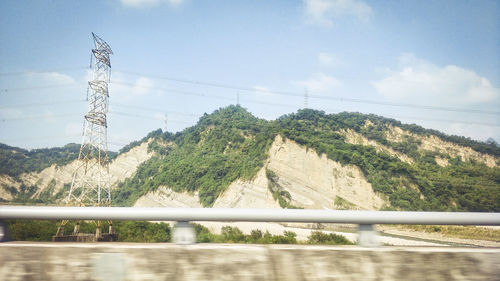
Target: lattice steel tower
(90, 185)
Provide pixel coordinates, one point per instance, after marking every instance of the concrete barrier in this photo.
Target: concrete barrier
(128, 261)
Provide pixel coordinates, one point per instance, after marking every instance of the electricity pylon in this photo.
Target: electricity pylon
(90, 185)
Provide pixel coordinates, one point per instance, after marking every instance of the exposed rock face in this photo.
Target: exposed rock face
(441, 161)
(8, 182)
(353, 137)
(248, 194)
(126, 164)
(433, 143)
(240, 194)
(121, 168)
(59, 174)
(313, 182)
(166, 197)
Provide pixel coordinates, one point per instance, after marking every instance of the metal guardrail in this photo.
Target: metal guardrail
(251, 215)
(183, 233)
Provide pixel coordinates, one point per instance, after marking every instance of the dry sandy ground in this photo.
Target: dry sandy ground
(437, 237)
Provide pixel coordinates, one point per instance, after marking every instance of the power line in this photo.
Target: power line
(153, 109)
(231, 99)
(197, 94)
(444, 120)
(41, 71)
(246, 89)
(43, 116)
(287, 93)
(417, 106)
(147, 117)
(194, 115)
(293, 106)
(171, 90)
(115, 141)
(40, 137)
(9, 90)
(41, 104)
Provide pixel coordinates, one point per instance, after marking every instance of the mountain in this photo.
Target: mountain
(307, 159)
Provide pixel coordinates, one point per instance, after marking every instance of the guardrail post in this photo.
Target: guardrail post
(3, 231)
(367, 236)
(183, 233)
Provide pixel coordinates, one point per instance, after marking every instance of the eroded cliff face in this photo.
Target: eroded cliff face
(166, 197)
(317, 182)
(7, 182)
(313, 182)
(353, 137)
(433, 143)
(248, 194)
(55, 176)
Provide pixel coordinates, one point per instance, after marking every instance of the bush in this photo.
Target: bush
(318, 237)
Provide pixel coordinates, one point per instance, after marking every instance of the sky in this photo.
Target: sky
(431, 63)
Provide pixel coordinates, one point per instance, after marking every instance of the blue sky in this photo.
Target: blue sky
(433, 63)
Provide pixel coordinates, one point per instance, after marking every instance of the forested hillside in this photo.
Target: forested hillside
(15, 161)
(408, 169)
(227, 145)
(16, 166)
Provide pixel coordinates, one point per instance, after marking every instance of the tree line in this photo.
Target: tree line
(143, 231)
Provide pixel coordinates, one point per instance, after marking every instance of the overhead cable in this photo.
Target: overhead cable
(287, 93)
(42, 116)
(292, 106)
(113, 112)
(26, 72)
(41, 104)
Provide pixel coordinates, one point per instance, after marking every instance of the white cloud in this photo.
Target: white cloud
(73, 128)
(143, 86)
(324, 12)
(423, 82)
(150, 3)
(260, 89)
(319, 82)
(124, 90)
(49, 78)
(260, 93)
(330, 60)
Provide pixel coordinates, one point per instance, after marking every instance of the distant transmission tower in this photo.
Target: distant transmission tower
(306, 99)
(90, 185)
(166, 122)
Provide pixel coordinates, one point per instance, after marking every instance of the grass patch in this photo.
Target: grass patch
(464, 232)
(342, 204)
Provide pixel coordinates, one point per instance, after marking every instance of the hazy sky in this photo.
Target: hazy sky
(433, 63)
